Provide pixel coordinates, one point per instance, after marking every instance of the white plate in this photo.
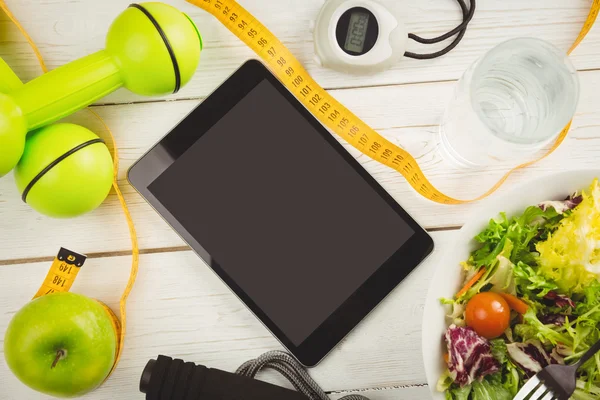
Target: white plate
(448, 277)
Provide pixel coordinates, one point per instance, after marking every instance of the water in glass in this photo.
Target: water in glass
(509, 104)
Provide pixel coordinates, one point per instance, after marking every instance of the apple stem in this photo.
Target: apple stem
(60, 354)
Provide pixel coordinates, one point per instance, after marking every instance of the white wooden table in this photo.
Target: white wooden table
(197, 318)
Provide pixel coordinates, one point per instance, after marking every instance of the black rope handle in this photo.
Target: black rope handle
(460, 31)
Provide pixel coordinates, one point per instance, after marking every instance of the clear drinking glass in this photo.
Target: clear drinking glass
(510, 103)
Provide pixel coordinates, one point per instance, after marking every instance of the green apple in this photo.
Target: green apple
(61, 344)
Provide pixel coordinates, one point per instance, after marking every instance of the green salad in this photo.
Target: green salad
(531, 298)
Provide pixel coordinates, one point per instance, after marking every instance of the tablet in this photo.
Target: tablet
(281, 212)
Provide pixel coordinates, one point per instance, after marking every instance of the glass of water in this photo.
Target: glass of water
(509, 104)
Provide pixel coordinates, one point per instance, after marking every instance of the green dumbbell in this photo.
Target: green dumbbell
(65, 170)
(151, 49)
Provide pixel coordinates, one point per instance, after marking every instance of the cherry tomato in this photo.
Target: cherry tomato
(489, 314)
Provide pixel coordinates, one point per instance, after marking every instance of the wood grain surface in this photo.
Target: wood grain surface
(197, 318)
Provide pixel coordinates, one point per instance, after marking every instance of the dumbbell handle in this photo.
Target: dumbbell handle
(151, 49)
(69, 88)
(9, 81)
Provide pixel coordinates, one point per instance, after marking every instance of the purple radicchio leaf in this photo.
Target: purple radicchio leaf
(532, 357)
(469, 356)
(573, 201)
(559, 300)
(553, 319)
(562, 206)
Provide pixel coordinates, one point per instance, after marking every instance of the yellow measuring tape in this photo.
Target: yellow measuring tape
(332, 113)
(62, 274)
(64, 268)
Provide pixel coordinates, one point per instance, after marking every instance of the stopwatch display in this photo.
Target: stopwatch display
(357, 31)
(358, 36)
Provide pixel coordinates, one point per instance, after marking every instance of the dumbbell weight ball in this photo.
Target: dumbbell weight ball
(65, 171)
(12, 134)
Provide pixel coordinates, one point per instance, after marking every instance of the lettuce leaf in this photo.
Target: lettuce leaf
(586, 391)
(571, 255)
(512, 378)
(458, 393)
(499, 350)
(498, 275)
(503, 280)
(456, 313)
(445, 382)
(507, 243)
(521, 231)
(490, 390)
(530, 283)
(533, 328)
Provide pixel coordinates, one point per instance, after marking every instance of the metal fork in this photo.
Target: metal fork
(555, 382)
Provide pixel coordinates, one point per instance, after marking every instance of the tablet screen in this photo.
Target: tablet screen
(281, 212)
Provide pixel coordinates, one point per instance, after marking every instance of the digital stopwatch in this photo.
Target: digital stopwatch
(359, 36)
(365, 36)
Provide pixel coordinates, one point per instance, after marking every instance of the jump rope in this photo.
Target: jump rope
(228, 12)
(293, 371)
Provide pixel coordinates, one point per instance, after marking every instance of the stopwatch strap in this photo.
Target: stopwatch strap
(460, 30)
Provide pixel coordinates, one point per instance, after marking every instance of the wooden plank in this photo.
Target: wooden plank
(401, 393)
(180, 308)
(407, 114)
(68, 30)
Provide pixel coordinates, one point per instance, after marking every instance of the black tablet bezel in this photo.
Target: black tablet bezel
(365, 298)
